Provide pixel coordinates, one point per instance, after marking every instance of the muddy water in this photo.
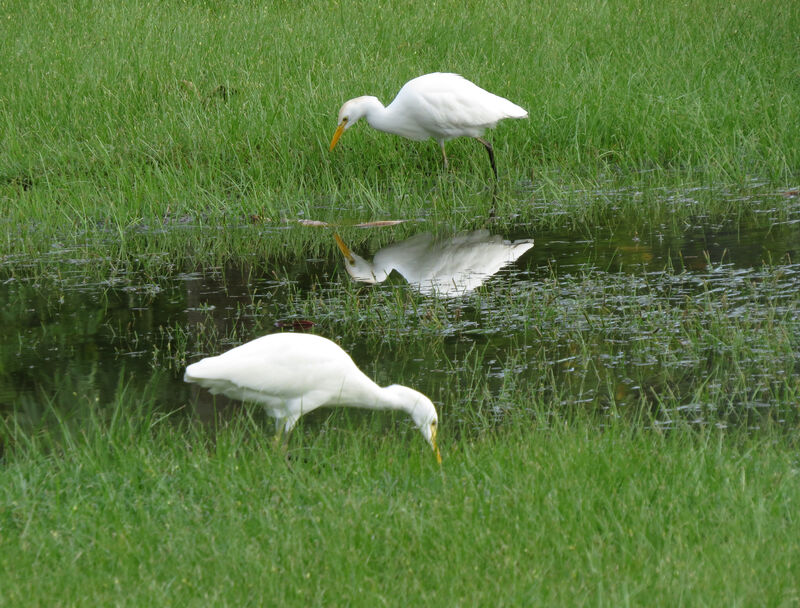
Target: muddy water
(68, 341)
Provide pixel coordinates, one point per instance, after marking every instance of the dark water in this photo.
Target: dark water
(68, 340)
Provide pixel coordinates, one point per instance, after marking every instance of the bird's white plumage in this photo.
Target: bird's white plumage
(440, 106)
(443, 106)
(446, 266)
(292, 374)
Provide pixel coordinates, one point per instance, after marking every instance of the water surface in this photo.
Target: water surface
(604, 316)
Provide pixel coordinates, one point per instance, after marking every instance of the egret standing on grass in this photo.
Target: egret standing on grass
(293, 374)
(439, 106)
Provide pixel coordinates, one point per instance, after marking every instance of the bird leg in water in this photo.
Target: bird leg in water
(490, 151)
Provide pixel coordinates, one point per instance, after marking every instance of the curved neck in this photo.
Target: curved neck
(397, 397)
(379, 273)
(390, 401)
(372, 396)
(364, 271)
(377, 115)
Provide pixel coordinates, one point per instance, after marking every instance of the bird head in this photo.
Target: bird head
(357, 267)
(422, 412)
(351, 112)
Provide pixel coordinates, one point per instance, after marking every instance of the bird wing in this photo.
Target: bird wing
(460, 263)
(283, 369)
(449, 105)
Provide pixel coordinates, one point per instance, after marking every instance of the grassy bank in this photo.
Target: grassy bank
(145, 147)
(132, 510)
(117, 114)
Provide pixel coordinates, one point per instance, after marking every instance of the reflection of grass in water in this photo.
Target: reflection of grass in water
(711, 347)
(554, 513)
(715, 344)
(717, 348)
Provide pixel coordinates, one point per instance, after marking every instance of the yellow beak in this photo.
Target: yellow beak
(338, 134)
(435, 447)
(344, 248)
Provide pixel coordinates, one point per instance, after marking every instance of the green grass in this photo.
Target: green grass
(102, 131)
(142, 140)
(128, 509)
(560, 485)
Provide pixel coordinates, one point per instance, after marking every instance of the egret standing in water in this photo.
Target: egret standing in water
(439, 106)
(293, 374)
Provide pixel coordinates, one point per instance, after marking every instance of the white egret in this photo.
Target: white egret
(292, 374)
(449, 266)
(438, 106)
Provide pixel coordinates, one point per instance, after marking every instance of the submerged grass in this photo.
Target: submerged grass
(126, 508)
(713, 344)
(715, 347)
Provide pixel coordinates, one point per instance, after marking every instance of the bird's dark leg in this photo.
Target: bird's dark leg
(490, 151)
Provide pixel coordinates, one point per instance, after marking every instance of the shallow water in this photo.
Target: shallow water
(604, 316)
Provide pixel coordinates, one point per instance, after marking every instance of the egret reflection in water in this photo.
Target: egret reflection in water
(446, 267)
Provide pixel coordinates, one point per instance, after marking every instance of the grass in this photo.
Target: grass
(577, 471)
(127, 510)
(175, 111)
(613, 433)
